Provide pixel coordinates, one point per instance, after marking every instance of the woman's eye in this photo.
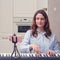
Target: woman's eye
(42, 19)
(37, 18)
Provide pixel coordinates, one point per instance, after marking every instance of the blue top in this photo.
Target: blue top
(43, 42)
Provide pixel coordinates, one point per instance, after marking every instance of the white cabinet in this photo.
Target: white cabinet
(41, 4)
(5, 16)
(24, 8)
(27, 8)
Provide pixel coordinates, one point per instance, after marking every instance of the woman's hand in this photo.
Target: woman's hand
(50, 52)
(35, 48)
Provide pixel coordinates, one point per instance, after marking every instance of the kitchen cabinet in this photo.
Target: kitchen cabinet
(24, 8)
(41, 4)
(6, 16)
(27, 8)
(6, 24)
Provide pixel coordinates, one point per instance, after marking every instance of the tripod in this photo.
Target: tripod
(15, 51)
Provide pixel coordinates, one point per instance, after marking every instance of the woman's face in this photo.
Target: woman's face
(40, 20)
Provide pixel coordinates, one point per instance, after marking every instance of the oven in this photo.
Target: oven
(21, 25)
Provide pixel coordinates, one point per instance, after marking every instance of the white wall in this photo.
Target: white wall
(54, 16)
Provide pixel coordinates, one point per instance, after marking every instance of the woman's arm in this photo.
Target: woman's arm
(56, 46)
(25, 44)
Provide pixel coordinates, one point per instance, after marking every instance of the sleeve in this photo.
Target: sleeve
(24, 45)
(55, 45)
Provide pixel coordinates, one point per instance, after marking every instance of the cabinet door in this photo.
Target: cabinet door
(24, 8)
(5, 26)
(41, 4)
(5, 16)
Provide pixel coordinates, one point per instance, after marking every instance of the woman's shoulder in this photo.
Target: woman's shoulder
(53, 35)
(28, 32)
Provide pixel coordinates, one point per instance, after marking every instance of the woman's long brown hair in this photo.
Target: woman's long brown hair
(46, 26)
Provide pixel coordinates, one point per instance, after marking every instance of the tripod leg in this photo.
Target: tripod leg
(17, 51)
(12, 53)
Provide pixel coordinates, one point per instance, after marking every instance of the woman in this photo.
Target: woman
(39, 38)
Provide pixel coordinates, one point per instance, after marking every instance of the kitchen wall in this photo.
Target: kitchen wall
(54, 16)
